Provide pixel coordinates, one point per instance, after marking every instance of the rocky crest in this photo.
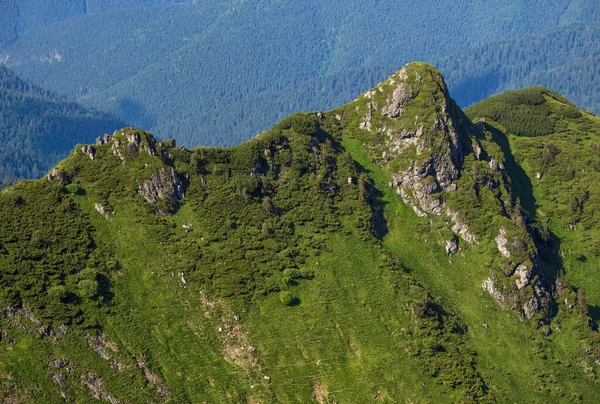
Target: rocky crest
(422, 138)
(413, 114)
(147, 162)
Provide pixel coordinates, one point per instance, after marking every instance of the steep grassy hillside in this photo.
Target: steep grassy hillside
(37, 128)
(556, 148)
(376, 252)
(217, 73)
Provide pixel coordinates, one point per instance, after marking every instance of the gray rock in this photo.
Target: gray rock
(58, 175)
(531, 307)
(524, 273)
(400, 96)
(89, 150)
(116, 150)
(501, 241)
(102, 210)
(163, 184)
(490, 287)
(451, 246)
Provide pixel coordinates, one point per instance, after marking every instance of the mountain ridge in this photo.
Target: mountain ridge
(224, 103)
(301, 265)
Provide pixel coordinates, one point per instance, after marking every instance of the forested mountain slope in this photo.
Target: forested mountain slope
(37, 128)
(566, 60)
(217, 73)
(20, 17)
(380, 251)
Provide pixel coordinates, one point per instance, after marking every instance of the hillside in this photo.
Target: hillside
(379, 251)
(37, 128)
(20, 17)
(217, 73)
(556, 148)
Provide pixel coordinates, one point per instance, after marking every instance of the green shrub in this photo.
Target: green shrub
(57, 293)
(87, 288)
(286, 298)
(291, 275)
(72, 189)
(88, 273)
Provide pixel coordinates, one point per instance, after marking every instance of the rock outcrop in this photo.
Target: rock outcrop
(56, 174)
(89, 150)
(412, 113)
(422, 139)
(164, 184)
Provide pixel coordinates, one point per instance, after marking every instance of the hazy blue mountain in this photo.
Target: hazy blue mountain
(39, 128)
(566, 60)
(221, 72)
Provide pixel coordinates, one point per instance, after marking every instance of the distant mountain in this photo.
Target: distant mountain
(38, 128)
(20, 17)
(391, 249)
(565, 59)
(218, 73)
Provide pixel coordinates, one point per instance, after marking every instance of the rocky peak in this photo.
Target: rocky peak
(419, 135)
(164, 184)
(129, 142)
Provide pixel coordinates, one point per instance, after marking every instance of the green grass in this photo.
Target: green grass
(508, 348)
(567, 193)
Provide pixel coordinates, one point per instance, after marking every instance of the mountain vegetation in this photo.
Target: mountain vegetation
(217, 73)
(390, 249)
(37, 128)
(556, 148)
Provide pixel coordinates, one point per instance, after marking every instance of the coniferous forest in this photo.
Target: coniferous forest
(218, 73)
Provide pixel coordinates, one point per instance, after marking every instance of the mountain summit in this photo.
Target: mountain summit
(439, 163)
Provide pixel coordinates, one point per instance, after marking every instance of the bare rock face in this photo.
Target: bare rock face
(524, 273)
(539, 301)
(502, 241)
(164, 184)
(116, 150)
(135, 143)
(400, 96)
(490, 287)
(451, 246)
(58, 175)
(102, 210)
(127, 143)
(89, 150)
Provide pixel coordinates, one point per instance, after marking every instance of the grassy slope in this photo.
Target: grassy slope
(508, 349)
(354, 333)
(155, 318)
(566, 193)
